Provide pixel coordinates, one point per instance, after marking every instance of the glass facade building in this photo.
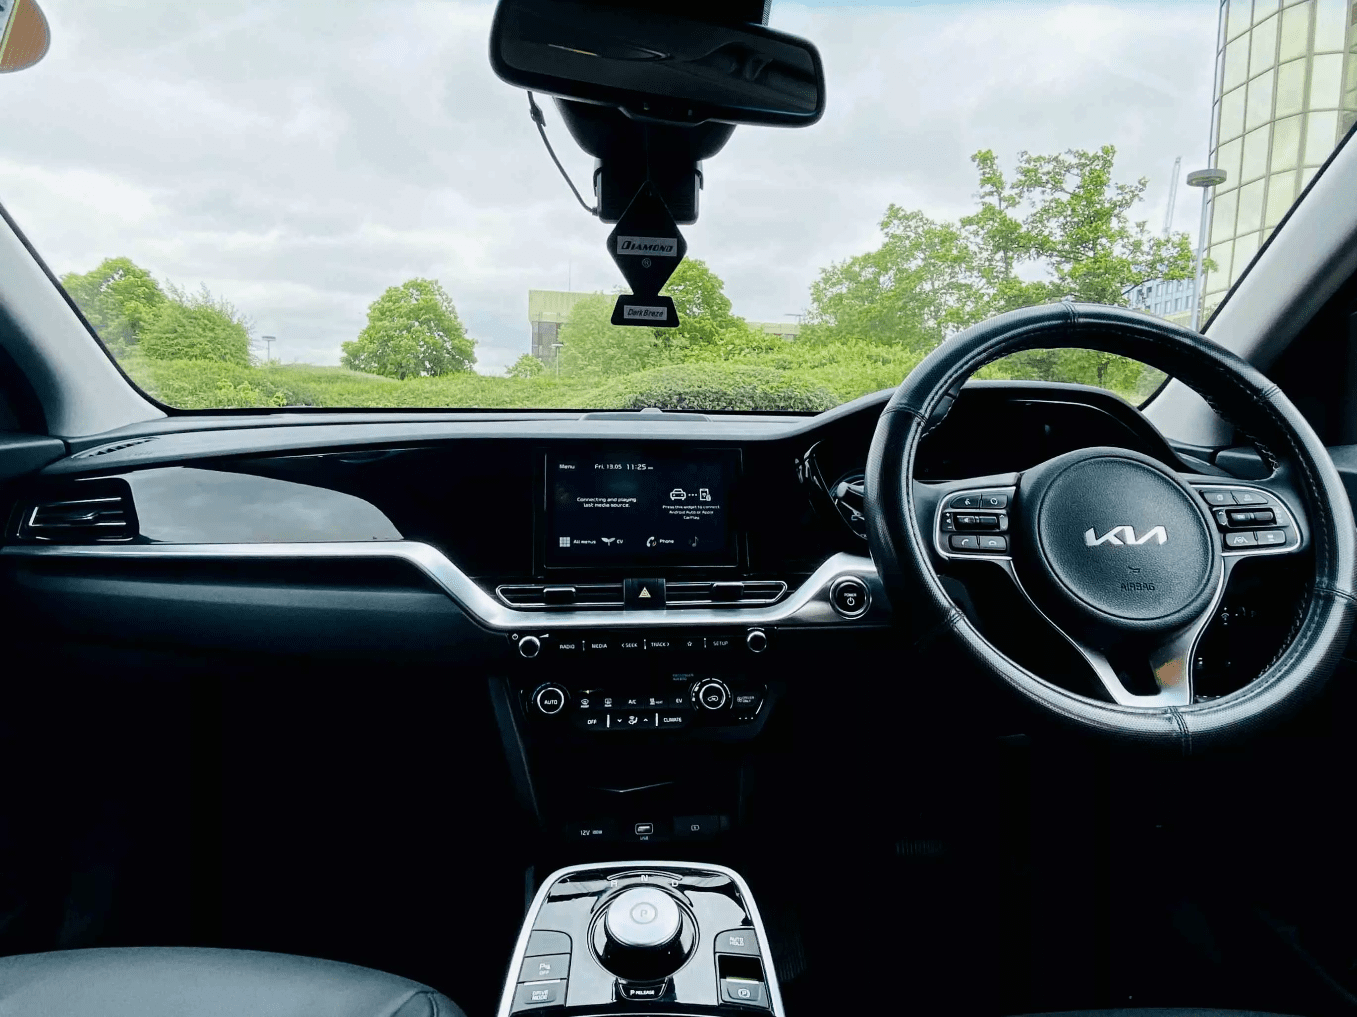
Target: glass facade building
(1285, 94)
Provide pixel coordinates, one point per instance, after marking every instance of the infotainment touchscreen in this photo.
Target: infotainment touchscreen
(631, 509)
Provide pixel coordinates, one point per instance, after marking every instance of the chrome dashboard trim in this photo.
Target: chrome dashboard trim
(530, 919)
(808, 605)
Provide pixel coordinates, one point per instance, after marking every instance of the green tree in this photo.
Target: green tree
(594, 347)
(412, 331)
(196, 326)
(118, 298)
(526, 366)
(1059, 227)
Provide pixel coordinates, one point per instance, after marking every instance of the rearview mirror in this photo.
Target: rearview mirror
(656, 66)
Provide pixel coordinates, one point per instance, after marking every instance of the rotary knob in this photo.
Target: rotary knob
(712, 694)
(643, 918)
(549, 699)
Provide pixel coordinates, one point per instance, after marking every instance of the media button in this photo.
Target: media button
(598, 644)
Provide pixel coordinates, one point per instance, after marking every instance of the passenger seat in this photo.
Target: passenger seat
(193, 982)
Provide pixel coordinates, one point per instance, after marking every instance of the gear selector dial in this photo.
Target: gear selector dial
(642, 917)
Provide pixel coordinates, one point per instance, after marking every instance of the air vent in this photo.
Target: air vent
(92, 512)
(580, 595)
(750, 593)
(103, 450)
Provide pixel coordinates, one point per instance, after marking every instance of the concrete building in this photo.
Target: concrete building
(1168, 298)
(547, 311)
(1285, 95)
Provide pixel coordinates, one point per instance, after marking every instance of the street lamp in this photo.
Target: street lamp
(557, 357)
(1205, 179)
(269, 340)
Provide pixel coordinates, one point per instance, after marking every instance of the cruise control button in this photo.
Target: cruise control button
(1243, 539)
(742, 990)
(993, 542)
(738, 941)
(966, 501)
(532, 994)
(1218, 497)
(964, 542)
(1249, 498)
(1268, 538)
(545, 968)
(1243, 518)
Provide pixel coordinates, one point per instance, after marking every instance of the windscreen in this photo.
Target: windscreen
(340, 205)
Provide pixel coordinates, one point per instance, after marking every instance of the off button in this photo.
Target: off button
(850, 597)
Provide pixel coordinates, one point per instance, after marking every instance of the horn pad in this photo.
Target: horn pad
(1114, 538)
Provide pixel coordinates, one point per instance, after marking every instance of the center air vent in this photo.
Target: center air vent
(680, 594)
(91, 512)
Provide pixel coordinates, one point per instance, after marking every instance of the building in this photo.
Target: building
(1168, 298)
(547, 311)
(787, 330)
(1285, 94)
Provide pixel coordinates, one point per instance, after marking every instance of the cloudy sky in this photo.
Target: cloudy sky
(300, 157)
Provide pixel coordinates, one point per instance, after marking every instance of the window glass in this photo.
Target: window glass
(1237, 62)
(1290, 88)
(1295, 31)
(1260, 101)
(1228, 160)
(1281, 192)
(1326, 80)
(1286, 143)
(1263, 9)
(1219, 277)
(1263, 48)
(1240, 17)
(1331, 17)
(1222, 216)
(1251, 206)
(1245, 248)
(1320, 134)
(1232, 114)
(1255, 155)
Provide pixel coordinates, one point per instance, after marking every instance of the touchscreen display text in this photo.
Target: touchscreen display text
(628, 509)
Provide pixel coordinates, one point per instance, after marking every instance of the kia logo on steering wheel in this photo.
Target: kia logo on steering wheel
(1122, 535)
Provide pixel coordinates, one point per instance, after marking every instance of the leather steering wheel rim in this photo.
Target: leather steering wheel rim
(905, 554)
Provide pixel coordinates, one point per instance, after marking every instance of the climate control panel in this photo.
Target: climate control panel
(683, 701)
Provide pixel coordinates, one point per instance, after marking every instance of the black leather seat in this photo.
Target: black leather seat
(191, 982)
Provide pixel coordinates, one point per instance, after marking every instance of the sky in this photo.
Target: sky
(298, 158)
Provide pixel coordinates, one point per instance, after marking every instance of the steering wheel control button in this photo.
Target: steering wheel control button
(1247, 517)
(549, 699)
(1270, 538)
(1249, 497)
(756, 640)
(545, 941)
(1218, 498)
(529, 647)
(643, 917)
(994, 543)
(742, 941)
(1241, 539)
(965, 501)
(993, 500)
(964, 542)
(545, 968)
(535, 994)
(742, 990)
(712, 694)
(850, 596)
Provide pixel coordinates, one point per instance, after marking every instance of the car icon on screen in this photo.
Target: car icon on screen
(678, 494)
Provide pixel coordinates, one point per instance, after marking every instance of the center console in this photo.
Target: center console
(631, 937)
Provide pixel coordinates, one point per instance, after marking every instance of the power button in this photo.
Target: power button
(850, 597)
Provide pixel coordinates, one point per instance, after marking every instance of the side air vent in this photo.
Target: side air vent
(682, 594)
(117, 446)
(91, 512)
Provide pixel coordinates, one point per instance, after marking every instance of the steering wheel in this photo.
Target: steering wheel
(1125, 556)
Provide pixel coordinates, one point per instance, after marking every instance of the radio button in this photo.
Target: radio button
(565, 644)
